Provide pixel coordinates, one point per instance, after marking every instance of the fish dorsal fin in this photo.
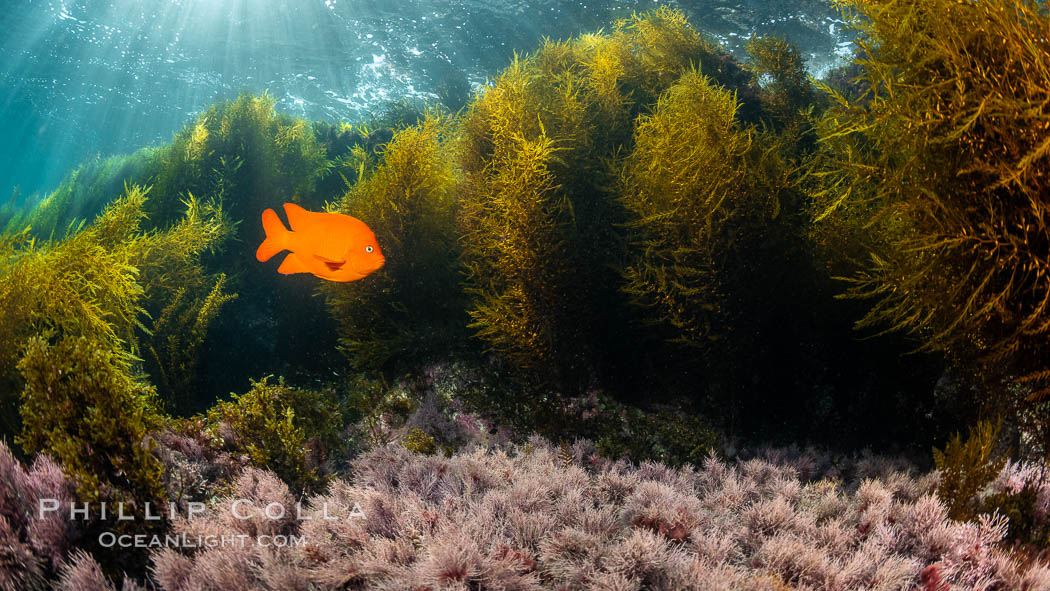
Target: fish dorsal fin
(298, 218)
(292, 264)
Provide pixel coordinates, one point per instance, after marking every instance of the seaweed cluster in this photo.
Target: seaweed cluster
(74, 324)
(288, 431)
(82, 195)
(98, 282)
(936, 182)
(242, 152)
(411, 310)
(595, 172)
(687, 188)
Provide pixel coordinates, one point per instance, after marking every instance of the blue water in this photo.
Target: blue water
(88, 77)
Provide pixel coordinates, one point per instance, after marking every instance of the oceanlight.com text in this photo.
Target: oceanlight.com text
(110, 540)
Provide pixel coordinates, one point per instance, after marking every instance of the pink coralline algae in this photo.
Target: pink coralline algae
(538, 517)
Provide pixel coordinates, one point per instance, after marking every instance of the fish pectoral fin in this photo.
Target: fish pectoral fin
(333, 265)
(292, 264)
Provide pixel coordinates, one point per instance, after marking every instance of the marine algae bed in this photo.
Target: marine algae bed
(629, 238)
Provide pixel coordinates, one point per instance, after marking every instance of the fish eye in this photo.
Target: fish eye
(368, 249)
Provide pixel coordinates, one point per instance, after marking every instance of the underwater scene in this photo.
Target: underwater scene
(520, 295)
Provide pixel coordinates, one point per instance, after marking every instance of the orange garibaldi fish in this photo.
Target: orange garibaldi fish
(332, 246)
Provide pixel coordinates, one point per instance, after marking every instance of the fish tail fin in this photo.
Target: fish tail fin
(276, 236)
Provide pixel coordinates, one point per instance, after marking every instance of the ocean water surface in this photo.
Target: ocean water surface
(83, 78)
